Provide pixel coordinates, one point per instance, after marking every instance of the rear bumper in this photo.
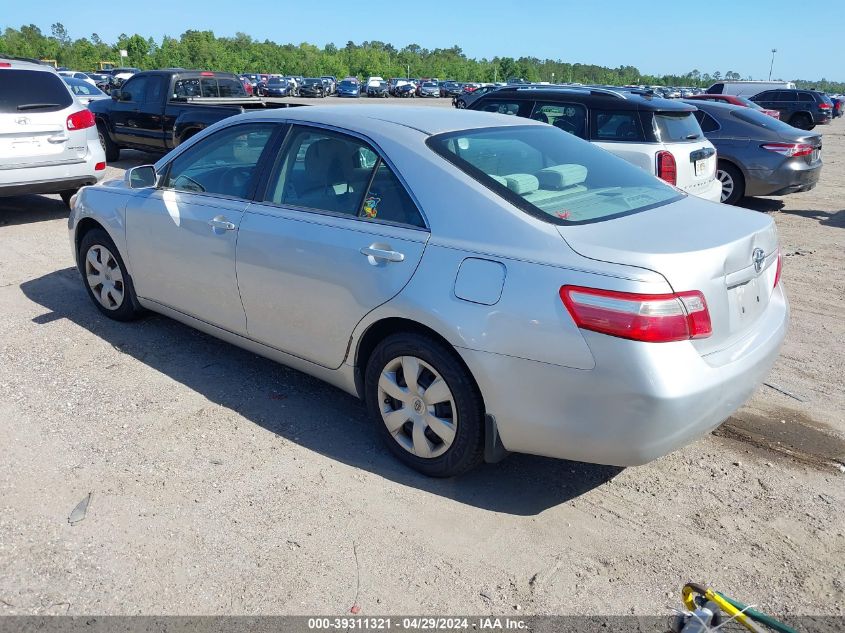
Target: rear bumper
(712, 191)
(46, 186)
(641, 401)
(792, 176)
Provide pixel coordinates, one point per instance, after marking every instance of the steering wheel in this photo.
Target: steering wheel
(236, 180)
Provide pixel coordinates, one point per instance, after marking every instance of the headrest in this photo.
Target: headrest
(522, 183)
(562, 176)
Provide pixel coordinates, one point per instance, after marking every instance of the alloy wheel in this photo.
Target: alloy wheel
(104, 277)
(728, 184)
(417, 407)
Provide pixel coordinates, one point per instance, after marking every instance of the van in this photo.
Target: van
(747, 88)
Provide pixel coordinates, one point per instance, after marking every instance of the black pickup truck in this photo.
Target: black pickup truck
(156, 110)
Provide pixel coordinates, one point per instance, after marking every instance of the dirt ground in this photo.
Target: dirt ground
(222, 483)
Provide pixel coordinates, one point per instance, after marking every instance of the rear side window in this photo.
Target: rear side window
(707, 122)
(758, 119)
(569, 117)
(806, 97)
(32, 91)
(616, 126)
(676, 127)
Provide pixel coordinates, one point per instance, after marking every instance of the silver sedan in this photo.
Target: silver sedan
(485, 283)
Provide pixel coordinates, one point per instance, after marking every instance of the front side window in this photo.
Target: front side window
(225, 163)
(621, 125)
(500, 107)
(552, 175)
(134, 90)
(328, 171)
(569, 117)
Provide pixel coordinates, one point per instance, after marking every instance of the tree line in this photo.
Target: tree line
(242, 53)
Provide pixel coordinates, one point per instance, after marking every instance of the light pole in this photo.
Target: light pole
(772, 65)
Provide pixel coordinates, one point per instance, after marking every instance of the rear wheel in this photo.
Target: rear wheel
(733, 182)
(801, 121)
(426, 404)
(112, 151)
(105, 276)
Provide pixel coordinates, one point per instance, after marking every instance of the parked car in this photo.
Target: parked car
(464, 99)
(101, 80)
(661, 136)
(836, 101)
(428, 89)
(276, 87)
(156, 110)
(747, 88)
(120, 75)
(84, 91)
(49, 140)
(611, 318)
(349, 88)
(406, 89)
(75, 74)
(450, 88)
(804, 109)
(332, 83)
(379, 89)
(759, 156)
(734, 100)
(312, 87)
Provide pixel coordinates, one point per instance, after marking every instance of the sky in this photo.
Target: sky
(657, 37)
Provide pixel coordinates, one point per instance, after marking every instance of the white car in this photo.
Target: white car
(75, 74)
(48, 139)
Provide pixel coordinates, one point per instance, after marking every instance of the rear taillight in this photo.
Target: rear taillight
(789, 149)
(99, 167)
(640, 317)
(824, 106)
(666, 168)
(778, 269)
(5, 65)
(80, 120)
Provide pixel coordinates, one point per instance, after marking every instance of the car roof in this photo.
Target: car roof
(373, 117)
(611, 98)
(24, 63)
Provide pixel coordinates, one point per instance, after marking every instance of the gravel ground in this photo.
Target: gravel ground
(222, 483)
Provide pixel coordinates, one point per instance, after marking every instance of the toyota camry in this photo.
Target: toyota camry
(486, 283)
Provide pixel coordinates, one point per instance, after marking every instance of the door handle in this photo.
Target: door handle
(382, 254)
(221, 223)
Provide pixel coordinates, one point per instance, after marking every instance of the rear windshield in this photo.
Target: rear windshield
(551, 174)
(757, 118)
(676, 127)
(748, 103)
(32, 91)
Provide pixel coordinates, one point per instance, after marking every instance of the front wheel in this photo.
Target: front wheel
(426, 404)
(733, 182)
(460, 104)
(105, 276)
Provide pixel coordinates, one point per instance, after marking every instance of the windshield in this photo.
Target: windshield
(551, 174)
(83, 88)
(429, 84)
(763, 120)
(673, 127)
(276, 82)
(312, 82)
(348, 84)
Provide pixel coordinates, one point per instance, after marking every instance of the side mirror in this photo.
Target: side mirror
(142, 177)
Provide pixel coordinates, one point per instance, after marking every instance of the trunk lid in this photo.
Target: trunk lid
(695, 245)
(29, 139)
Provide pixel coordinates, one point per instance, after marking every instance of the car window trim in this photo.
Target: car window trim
(259, 168)
(381, 157)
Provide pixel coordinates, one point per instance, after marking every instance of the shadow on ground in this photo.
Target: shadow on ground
(32, 208)
(304, 410)
(826, 218)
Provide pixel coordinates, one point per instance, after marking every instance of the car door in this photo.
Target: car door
(124, 112)
(181, 236)
(337, 235)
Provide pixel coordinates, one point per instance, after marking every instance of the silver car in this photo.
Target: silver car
(485, 283)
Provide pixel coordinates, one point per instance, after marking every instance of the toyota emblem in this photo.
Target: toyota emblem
(22, 120)
(759, 258)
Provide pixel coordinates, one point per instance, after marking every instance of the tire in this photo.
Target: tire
(460, 104)
(801, 121)
(458, 444)
(733, 182)
(112, 150)
(67, 195)
(119, 301)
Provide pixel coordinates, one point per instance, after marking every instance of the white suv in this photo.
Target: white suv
(48, 139)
